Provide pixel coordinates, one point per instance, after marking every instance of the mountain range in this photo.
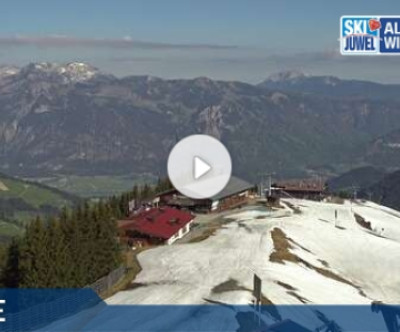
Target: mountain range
(331, 86)
(74, 119)
(386, 191)
(369, 183)
(358, 179)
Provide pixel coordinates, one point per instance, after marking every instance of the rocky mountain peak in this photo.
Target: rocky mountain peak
(68, 73)
(290, 75)
(77, 71)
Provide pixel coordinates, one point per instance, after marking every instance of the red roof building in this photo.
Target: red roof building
(156, 226)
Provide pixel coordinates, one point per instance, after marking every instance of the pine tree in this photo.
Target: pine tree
(146, 192)
(70, 236)
(11, 276)
(86, 245)
(34, 258)
(163, 185)
(107, 253)
(59, 254)
(123, 206)
(115, 206)
(74, 238)
(159, 185)
(109, 234)
(63, 216)
(135, 192)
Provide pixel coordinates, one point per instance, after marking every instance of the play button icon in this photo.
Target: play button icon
(199, 166)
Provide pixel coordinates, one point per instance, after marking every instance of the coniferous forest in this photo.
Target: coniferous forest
(74, 249)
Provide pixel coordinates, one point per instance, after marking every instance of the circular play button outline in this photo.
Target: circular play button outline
(199, 166)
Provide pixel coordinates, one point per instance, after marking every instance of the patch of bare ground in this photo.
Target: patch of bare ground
(208, 232)
(229, 286)
(292, 291)
(245, 227)
(286, 286)
(295, 209)
(232, 285)
(362, 222)
(335, 200)
(204, 232)
(299, 245)
(300, 298)
(324, 263)
(136, 285)
(283, 254)
(281, 216)
(282, 246)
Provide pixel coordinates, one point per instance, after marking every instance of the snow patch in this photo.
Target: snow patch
(7, 71)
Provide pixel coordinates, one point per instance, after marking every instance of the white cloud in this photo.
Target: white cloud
(57, 41)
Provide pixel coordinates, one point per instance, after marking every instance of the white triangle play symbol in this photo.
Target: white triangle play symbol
(200, 168)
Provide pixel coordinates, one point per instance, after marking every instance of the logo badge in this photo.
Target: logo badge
(369, 35)
(359, 35)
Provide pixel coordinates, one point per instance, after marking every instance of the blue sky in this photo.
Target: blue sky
(224, 39)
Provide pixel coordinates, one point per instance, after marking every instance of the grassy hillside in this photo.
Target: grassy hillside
(96, 186)
(386, 191)
(370, 183)
(21, 200)
(357, 178)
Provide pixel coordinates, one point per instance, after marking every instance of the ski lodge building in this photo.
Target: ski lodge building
(236, 193)
(163, 225)
(305, 189)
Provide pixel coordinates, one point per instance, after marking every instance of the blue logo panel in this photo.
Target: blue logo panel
(390, 35)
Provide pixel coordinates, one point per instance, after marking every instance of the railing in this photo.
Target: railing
(106, 283)
(68, 302)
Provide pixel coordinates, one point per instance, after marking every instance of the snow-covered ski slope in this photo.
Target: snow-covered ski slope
(301, 253)
(327, 261)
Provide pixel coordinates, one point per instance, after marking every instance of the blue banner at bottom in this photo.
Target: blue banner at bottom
(83, 310)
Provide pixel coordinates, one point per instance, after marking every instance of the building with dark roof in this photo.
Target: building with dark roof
(304, 188)
(235, 193)
(155, 226)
